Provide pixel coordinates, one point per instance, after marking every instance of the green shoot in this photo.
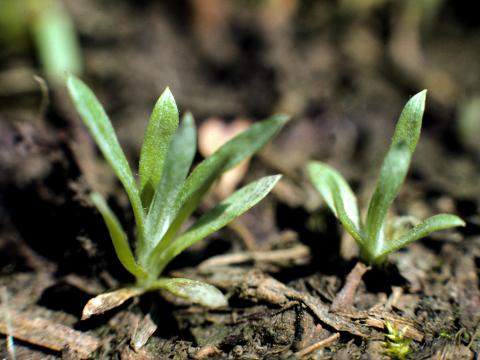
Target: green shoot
(371, 236)
(51, 29)
(166, 195)
(397, 345)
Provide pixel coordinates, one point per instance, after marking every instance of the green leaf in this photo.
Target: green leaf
(100, 127)
(227, 210)
(409, 124)
(55, 38)
(195, 291)
(118, 236)
(229, 155)
(392, 175)
(434, 223)
(160, 130)
(177, 165)
(350, 227)
(329, 182)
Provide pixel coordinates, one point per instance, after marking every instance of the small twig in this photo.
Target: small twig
(45, 100)
(244, 233)
(8, 322)
(294, 253)
(393, 298)
(346, 296)
(318, 345)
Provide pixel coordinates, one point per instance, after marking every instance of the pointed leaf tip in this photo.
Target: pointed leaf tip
(435, 223)
(158, 135)
(168, 97)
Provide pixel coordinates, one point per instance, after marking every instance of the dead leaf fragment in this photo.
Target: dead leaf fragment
(104, 302)
(212, 134)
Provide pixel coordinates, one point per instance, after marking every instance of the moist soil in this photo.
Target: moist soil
(343, 71)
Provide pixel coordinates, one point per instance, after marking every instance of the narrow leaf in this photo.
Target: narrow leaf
(410, 122)
(160, 130)
(195, 291)
(425, 228)
(100, 127)
(328, 182)
(229, 209)
(392, 175)
(177, 165)
(355, 231)
(118, 236)
(230, 154)
(55, 38)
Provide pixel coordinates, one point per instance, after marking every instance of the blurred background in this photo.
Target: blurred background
(343, 69)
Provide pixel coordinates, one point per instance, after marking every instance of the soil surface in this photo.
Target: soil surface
(343, 70)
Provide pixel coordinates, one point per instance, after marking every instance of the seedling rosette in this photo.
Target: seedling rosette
(167, 193)
(371, 236)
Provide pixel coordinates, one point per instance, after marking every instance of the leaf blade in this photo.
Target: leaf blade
(230, 154)
(348, 224)
(227, 210)
(435, 223)
(177, 165)
(392, 175)
(329, 181)
(195, 291)
(118, 236)
(409, 124)
(160, 130)
(100, 127)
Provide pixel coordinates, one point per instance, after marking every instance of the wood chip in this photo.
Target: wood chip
(143, 332)
(47, 334)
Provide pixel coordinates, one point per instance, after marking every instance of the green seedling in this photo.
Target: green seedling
(50, 27)
(375, 237)
(166, 195)
(397, 344)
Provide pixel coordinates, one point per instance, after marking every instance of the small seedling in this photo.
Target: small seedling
(397, 344)
(166, 195)
(373, 236)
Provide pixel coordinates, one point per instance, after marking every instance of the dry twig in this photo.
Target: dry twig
(346, 296)
(45, 333)
(318, 345)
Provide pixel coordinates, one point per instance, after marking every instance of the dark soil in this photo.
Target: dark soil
(343, 70)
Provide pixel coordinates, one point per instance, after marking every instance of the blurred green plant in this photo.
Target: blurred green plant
(374, 236)
(468, 123)
(166, 195)
(49, 25)
(397, 345)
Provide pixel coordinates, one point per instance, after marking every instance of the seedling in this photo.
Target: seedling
(166, 195)
(397, 344)
(374, 236)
